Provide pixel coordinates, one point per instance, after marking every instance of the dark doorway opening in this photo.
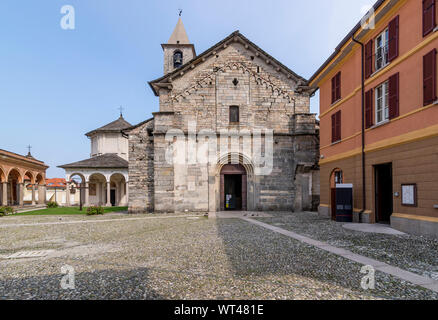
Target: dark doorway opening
(233, 188)
(233, 192)
(113, 197)
(333, 204)
(383, 192)
(336, 177)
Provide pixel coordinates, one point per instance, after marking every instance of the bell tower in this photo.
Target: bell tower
(178, 50)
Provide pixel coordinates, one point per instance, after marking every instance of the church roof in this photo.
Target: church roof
(124, 131)
(234, 37)
(4, 154)
(179, 35)
(108, 160)
(115, 126)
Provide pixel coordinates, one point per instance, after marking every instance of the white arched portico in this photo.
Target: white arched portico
(118, 190)
(105, 174)
(104, 187)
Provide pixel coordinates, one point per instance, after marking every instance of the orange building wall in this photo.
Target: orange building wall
(409, 141)
(411, 87)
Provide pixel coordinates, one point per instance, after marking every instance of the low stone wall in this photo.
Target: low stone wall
(415, 226)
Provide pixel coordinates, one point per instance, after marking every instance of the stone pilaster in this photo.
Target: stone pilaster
(87, 195)
(20, 194)
(33, 194)
(5, 194)
(67, 194)
(108, 194)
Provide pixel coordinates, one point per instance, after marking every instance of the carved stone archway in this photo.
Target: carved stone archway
(233, 173)
(227, 165)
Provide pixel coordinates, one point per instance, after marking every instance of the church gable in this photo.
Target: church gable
(234, 75)
(249, 47)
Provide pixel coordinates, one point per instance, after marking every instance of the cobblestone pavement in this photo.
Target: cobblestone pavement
(412, 253)
(182, 257)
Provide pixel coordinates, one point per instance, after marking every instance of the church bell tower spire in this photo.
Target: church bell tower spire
(178, 50)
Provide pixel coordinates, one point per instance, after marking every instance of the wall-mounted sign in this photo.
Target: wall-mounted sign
(409, 195)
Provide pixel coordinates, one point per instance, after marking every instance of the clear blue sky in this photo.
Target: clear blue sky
(56, 85)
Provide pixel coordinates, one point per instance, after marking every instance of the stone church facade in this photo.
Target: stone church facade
(242, 121)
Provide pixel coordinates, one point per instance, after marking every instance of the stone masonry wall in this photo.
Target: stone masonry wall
(266, 98)
(141, 169)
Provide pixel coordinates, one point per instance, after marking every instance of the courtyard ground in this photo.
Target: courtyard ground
(118, 256)
(64, 211)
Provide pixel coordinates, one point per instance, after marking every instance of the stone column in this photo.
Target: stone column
(67, 194)
(108, 194)
(118, 193)
(87, 195)
(20, 194)
(40, 194)
(33, 194)
(5, 194)
(44, 194)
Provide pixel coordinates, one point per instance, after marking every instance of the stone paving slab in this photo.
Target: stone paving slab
(28, 254)
(372, 228)
(238, 214)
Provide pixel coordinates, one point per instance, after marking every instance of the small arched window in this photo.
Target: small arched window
(177, 59)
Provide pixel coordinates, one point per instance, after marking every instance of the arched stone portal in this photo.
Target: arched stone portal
(118, 191)
(233, 187)
(76, 183)
(29, 183)
(233, 164)
(15, 188)
(98, 187)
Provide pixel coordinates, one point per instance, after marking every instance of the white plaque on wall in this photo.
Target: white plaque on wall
(409, 195)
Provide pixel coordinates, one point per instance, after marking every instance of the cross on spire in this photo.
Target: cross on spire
(28, 148)
(121, 111)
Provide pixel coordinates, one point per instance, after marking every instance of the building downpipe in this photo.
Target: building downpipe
(363, 126)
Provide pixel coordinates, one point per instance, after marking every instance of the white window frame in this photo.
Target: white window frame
(383, 48)
(381, 103)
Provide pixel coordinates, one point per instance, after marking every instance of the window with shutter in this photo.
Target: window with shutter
(393, 98)
(393, 33)
(369, 59)
(336, 127)
(333, 89)
(382, 103)
(369, 109)
(429, 78)
(336, 87)
(381, 47)
(429, 16)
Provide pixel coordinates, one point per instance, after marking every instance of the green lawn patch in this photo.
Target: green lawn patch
(66, 211)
